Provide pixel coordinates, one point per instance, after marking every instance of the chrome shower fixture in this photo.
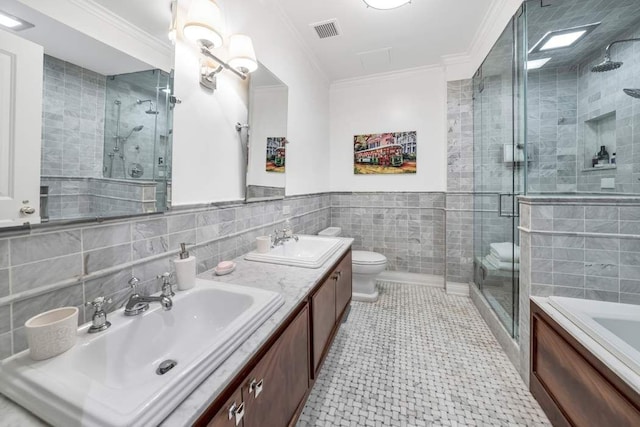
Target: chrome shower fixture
(135, 129)
(151, 110)
(632, 92)
(240, 126)
(607, 64)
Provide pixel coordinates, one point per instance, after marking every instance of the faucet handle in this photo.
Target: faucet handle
(167, 289)
(133, 283)
(98, 303)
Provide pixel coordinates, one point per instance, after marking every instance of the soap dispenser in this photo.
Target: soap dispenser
(185, 266)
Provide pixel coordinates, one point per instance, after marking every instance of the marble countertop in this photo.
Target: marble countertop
(293, 283)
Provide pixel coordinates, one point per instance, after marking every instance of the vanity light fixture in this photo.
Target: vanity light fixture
(13, 22)
(202, 29)
(558, 39)
(386, 4)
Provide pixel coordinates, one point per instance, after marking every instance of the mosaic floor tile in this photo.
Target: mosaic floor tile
(418, 357)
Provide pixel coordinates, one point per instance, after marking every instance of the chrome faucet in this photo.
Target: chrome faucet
(99, 320)
(138, 304)
(280, 236)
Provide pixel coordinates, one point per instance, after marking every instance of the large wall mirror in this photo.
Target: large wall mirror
(106, 134)
(267, 136)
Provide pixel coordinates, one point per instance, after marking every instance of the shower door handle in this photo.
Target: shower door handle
(512, 214)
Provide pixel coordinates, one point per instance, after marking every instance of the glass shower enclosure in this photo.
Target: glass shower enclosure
(499, 172)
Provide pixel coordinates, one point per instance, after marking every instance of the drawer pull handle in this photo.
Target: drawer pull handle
(237, 412)
(256, 387)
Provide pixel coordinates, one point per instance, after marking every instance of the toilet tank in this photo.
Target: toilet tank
(331, 232)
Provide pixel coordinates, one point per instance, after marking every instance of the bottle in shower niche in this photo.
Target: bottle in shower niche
(603, 156)
(594, 160)
(613, 159)
(185, 266)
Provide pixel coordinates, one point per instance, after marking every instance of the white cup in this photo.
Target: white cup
(264, 244)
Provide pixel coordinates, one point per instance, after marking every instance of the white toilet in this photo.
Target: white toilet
(366, 268)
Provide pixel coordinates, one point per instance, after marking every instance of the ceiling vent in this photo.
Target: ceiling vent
(326, 29)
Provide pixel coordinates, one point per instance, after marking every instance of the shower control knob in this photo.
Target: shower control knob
(27, 210)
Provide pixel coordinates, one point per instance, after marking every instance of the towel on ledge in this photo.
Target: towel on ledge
(506, 251)
(501, 265)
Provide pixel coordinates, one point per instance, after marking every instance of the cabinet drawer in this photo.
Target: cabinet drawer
(279, 382)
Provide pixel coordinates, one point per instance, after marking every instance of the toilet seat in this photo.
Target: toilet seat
(368, 258)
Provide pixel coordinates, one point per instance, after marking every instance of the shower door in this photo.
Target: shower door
(499, 175)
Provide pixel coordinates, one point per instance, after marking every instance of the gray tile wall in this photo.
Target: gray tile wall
(552, 102)
(84, 197)
(58, 267)
(408, 228)
(73, 120)
(586, 250)
(460, 181)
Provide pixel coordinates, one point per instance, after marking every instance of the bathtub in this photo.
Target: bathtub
(615, 326)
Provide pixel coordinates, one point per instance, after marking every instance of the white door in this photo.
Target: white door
(21, 65)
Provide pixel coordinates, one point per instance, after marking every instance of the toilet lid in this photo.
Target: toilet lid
(368, 258)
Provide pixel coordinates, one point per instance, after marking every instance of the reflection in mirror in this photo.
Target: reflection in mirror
(106, 118)
(268, 110)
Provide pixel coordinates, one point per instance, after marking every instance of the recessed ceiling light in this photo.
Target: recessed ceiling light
(13, 22)
(562, 38)
(537, 63)
(386, 4)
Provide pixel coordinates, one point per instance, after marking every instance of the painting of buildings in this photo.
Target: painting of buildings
(385, 153)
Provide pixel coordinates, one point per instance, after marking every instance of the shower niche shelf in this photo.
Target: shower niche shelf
(599, 131)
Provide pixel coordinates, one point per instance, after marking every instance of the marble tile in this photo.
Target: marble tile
(100, 259)
(146, 248)
(25, 309)
(5, 318)
(375, 371)
(4, 253)
(5, 351)
(4, 282)
(43, 246)
(103, 236)
(176, 223)
(149, 228)
(41, 273)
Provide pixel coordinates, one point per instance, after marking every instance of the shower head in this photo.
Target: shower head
(606, 65)
(150, 110)
(632, 92)
(135, 129)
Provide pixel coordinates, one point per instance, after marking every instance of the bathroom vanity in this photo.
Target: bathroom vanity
(267, 379)
(272, 387)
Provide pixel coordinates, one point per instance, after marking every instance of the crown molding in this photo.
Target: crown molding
(463, 65)
(386, 76)
(123, 25)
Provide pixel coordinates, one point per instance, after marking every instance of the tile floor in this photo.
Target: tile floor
(418, 357)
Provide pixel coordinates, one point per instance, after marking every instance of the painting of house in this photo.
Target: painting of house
(385, 153)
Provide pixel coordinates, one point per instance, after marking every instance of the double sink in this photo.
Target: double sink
(140, 369)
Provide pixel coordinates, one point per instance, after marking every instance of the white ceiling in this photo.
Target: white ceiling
(418, 34)
(69, 44)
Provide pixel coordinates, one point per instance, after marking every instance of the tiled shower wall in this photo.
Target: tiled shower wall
(73, 120)
(67, 266)
(562, 105)
(459, 201)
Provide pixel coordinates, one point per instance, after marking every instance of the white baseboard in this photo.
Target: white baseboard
(455, 288)
(433, 281)
(412, 278)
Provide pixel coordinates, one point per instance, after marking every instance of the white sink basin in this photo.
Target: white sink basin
(308, 252)
(110, 379)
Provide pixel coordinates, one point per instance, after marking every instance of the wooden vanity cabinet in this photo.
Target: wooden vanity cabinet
(343, 285)
(328, 305)
(278, 384)
(271, 389)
